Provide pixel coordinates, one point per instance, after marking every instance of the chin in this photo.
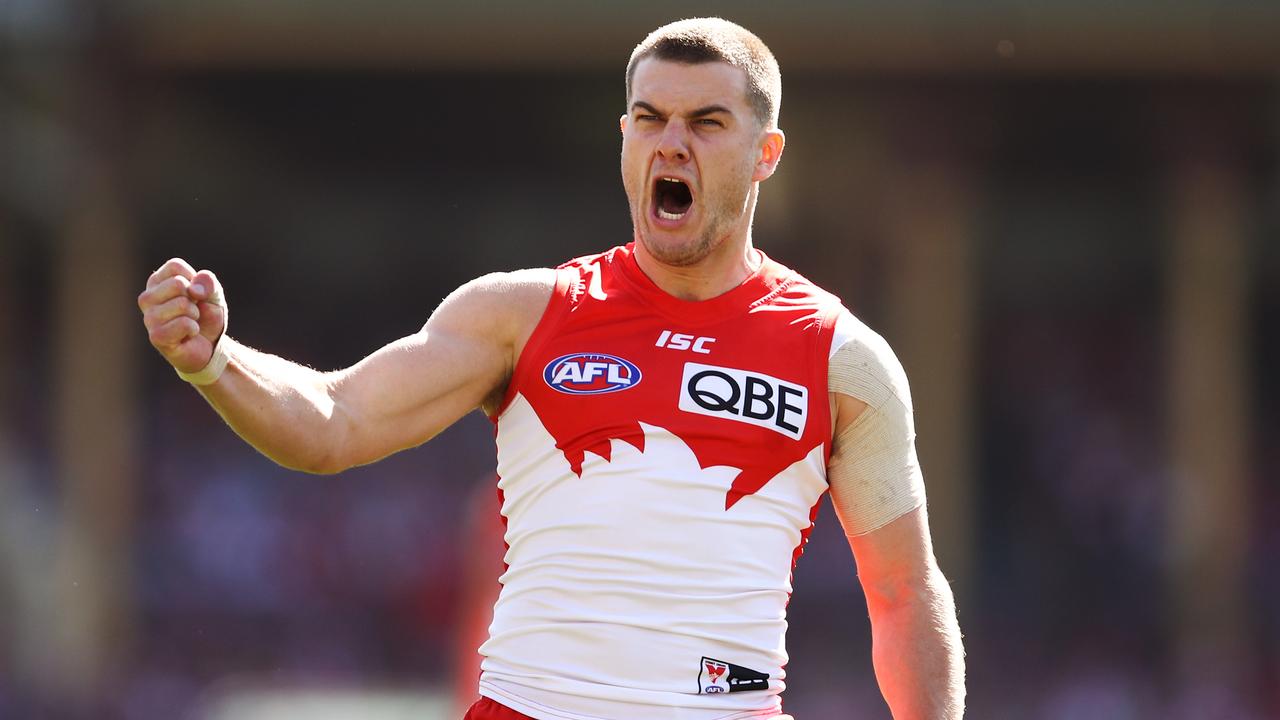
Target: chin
(679, 252)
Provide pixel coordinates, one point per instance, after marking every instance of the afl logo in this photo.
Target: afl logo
(591, 374)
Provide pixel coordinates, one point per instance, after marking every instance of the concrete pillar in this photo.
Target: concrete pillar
(96, 342)
(96, 417)
(930, 257)
(1209, 382)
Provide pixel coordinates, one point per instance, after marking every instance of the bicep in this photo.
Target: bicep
(874, 473)
(408, 391)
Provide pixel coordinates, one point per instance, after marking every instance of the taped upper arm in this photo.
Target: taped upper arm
(873, 472)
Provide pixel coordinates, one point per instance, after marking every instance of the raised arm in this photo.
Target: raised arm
(878, 493)
(400, 396)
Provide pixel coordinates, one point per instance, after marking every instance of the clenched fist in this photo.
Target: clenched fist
(185, 314)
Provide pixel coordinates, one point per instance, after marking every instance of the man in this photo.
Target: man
(669, 414)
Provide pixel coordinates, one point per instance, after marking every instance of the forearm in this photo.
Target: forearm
(918, 653)
(283, 409)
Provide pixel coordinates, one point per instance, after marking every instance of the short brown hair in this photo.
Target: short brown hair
(701, 40)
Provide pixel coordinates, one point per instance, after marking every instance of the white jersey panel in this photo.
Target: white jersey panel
(631, 588)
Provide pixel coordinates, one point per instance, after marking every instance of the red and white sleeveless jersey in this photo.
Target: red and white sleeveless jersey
(660, 463)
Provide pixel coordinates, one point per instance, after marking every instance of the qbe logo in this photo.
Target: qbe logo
(749, 397)
(591, 374)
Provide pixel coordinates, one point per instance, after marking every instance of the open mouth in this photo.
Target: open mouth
(672, 198)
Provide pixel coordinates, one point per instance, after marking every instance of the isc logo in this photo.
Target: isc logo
(681, 341)
(748, 397)
(591, 374)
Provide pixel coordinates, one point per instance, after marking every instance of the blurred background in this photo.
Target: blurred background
(1063, 215)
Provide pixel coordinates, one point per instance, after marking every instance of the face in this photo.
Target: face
(692, 152)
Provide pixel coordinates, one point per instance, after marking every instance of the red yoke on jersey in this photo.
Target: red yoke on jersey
(775, 326)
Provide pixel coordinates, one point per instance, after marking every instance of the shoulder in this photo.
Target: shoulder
(864, 366)
(513, 283)
(856, 351)
(499, 301)
(794, 289)
(584, 263)
(499, 288)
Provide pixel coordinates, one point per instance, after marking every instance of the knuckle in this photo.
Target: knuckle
(174, 286)
(173, 267)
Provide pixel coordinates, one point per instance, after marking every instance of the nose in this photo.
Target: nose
(673, 146)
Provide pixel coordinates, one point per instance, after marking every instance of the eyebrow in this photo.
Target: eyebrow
(700, 112)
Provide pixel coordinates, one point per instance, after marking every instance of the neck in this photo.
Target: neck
(718, 273)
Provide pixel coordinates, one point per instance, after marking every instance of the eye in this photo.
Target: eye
(709, 122)
(646, 117)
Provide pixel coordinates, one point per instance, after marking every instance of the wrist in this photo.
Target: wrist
(212, 370)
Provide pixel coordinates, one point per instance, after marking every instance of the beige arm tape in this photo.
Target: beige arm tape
(874, 474)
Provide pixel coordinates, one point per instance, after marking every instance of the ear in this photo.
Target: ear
(622, 123)
(770, 153)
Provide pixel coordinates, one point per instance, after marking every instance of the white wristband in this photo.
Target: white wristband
(210, 373)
